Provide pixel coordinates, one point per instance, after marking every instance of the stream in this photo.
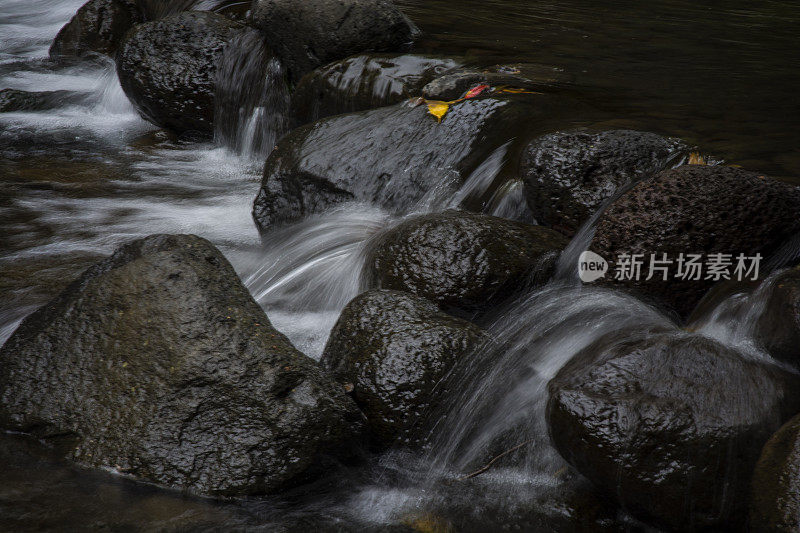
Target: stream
(81, 179)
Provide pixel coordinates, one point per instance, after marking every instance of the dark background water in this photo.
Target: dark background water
(78, 181)
(721, 74)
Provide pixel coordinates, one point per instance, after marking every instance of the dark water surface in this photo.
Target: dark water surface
(721, 74)
(77, 181)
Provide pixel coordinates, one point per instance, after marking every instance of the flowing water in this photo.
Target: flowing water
(80, 179)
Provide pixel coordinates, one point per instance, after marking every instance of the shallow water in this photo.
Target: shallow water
(77, 181)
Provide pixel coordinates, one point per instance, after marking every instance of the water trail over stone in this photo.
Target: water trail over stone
(504, 385)
(311, 270)
(252, 98)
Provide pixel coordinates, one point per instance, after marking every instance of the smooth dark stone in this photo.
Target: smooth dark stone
(778, 327)
(464, 262)
(364, 82)
(14, 100)
(524, 76)
(569, 175)
(695, 209)
(312, 33)
(775, 497)
(394, 349)
(671, 426)
(158, 363)
(167, 68)
(97, 28)
(396, 157)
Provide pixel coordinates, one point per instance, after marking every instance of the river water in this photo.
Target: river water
(77, 181)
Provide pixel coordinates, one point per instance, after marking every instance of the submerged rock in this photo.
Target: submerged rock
(394, 348)
(775, 498)
(525, 76)
(568, 175)
(778, 327)
(167, 68)
(671, 426)
(364, 82)
(397, 157)
(159, 364)
(695, 210)
(97, 28)
(15, 100)
(464, 262)
(312, 33)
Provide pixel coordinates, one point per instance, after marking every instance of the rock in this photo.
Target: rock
(778, 327)
(775, 497)
(393, 349)
(569, 175)
(362, 82)
(159, 364)
(14, 100)
(97, 28)
(526, 76)
(464, 262)
(167, 68)
(396, 157)
(671, 425)
(312, 33)
(695, 210)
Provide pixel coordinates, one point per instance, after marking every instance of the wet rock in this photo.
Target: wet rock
(775, 497)
(695, 210)
(167, 68)
(464, 262)
(364, 82)
(15, 100)
(396, 157)
(97, 28)
(569, 175)
(525, 76)
(393, 349)
(312, 33)
(158, 363)
(778, 327)
(671, 426)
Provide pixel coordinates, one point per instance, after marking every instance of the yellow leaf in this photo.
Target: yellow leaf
(696, 159)
(438, 109)
(427, 523)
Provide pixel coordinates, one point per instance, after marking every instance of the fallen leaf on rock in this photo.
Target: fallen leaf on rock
(696, 159)
(475, 91)
(438, 109)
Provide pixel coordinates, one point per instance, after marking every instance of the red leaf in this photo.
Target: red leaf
(475, 91)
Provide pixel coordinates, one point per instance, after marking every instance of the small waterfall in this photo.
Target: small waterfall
(508, 201)
(733, 320)
(108, 94)
(252, 98)
(312, 269)
(504, 385)
(481, 179)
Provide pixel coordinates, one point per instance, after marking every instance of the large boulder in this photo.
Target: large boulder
(778, 327)
(671, 425)
(362, 82)
(158, 363)
(569, 175)
(97, 28)
(396, 157)
(393, 349)
(464, 262)
(167, 68)
(775, 498)
(312, 33)
(694, 210)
